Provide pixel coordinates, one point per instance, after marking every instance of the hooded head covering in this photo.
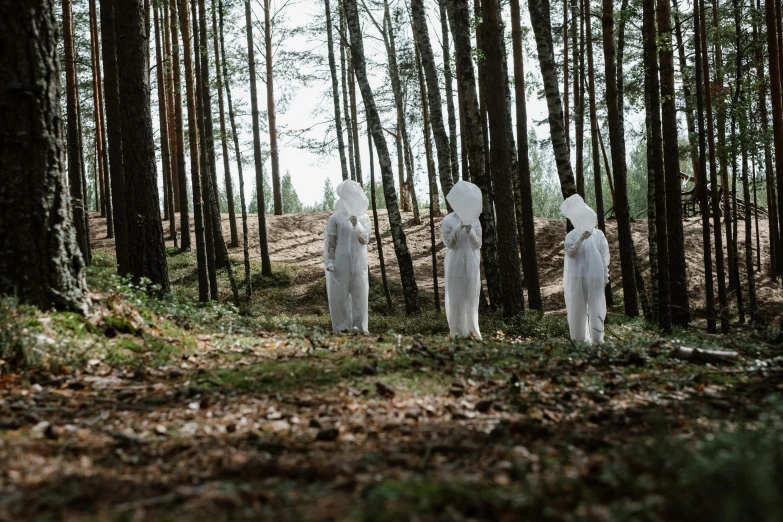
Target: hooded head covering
(581, 216)
(465, 199)
(353, 201)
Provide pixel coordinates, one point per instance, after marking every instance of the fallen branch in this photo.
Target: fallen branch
(697, 355)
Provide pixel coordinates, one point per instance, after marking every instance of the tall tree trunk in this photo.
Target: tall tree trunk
(100, 125)
(404, 260)
(449, 78)
(482, 82)
(335, 90)
(677, 276)
(442, 147)
(346, 105)
(617, 143)
(539, 19)
(433, 184)
(75, 159)
(170, 97)
(232, 218)
(163, 113)
(704, 202)
(756, 212)
(198, 203)
(354, 123)
(653, 94)
(463, 134)
(578, 60)
(40, 260)
(690, 121)
(496, 82)
(530, 258)
(147, 251)
(595, 134)
(773, 51)
(266, 264)
(459, 21)
(238, 153)
(114, 133)
(716, 212)
(566, 112)
(270, 110)
(620, 59)
(378, 243)
(182, 184)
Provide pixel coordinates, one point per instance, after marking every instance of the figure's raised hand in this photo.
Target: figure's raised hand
(330, 267)
(353, 220)
(467, 228)
(586, 235)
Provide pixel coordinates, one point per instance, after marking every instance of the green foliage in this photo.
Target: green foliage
(291, 202)
(380, 201)
(16, 340)
(330, 198)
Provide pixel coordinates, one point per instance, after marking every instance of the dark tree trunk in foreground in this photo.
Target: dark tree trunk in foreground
(617, 143)
(164, 128)
(496, 81)
(147, 251)
(75, 159)
(689, 110)
(677, 276)
(579, 113)
(433, 93)
(529, 258)
(346, 105)
(335, 90)
(704, 203)
(655, 164)
(179, 129)
(232, 218)
(277, 193)
(355, 124)
(40, 260)
(716, 212)
(404, 260)
(170, 100)
(539, 19)
(449, 77)
(378, 243)
(198, 203)
(773, 49)
(459, 20)
(266, 264)
(237, 151)
(114, 133)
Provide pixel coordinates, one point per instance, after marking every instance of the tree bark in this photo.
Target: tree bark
(677, 276)
(182, 184)
(773, 51)
(266, 264)
(346, 105)
(690, 120)
(530, 258)
(232, 218)
(442, 146)
(578, 66)
(164, 129)
(449, 78)
(404, 260)
(147, 251)
(270, 111)
(170, 100)
(620, 60)
(335, 90)
(75, 159)
(40, 260)
(355, 123)
(238, 153)
(566, 111)
(716, 211)
(378, 243)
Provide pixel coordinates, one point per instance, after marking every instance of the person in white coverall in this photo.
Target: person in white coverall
(345, 259)
(585, 272)
(463, 261)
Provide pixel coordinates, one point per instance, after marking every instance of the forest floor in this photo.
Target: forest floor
(166, 409)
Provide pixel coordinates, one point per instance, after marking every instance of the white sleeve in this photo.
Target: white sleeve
(363, 230)
(331, 241)
(475, 235)
(572, 243)
(449, 233)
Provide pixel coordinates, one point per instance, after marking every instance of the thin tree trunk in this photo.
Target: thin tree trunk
(198, 203)
(378, 243)
(114, 133)
(677, 275)
(660, 280)
(75, 158)
(147, 251)
(270, 111)
(459, 21)
(530, 258)
(566, 113)
(335, 91)
(756, 208)
(734, 268)
(354, 123)
(704, 203)
(346, 105)
(232, 218)
(716, 212)
(617, 143)
(182, 184)
(777, 112)
(449, 78)
(170, 100)
(482, 82)
(164, 129)
(463, 134)
(578, 60)
(620, 59)
(404, 260)
(238, 153)
(442, 146)
(692, 134)
(266, 264)
(35, 219)
(595, 134)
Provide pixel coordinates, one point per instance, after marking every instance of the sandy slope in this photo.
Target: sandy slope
(298, 239)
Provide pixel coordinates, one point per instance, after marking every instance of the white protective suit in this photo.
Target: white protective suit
(345, 259)
(463, 259)
(585, 272)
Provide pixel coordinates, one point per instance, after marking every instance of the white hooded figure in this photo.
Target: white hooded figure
(461, 233)
(345, 259)
(586, 272)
